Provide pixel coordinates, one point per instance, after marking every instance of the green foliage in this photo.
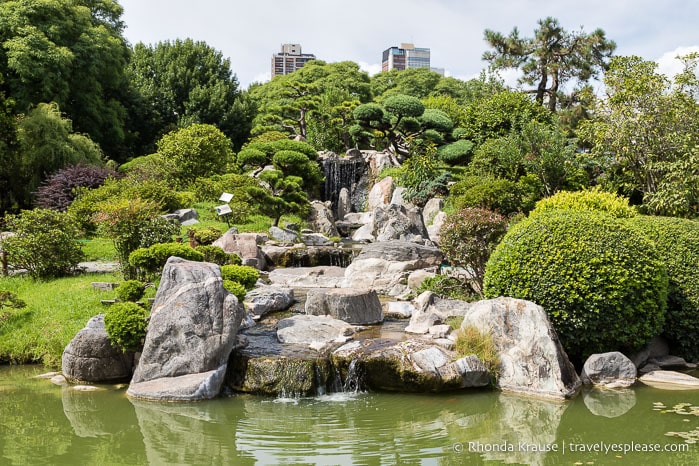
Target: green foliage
(470, 340)
(456, 153)
(448, 287)
(421, 176)
(45, 243)
(468, 237)
(499, 195)
(72, 53)
(550, 58)
(126, 325)
(132, 224)
(402, 105)
(236, 288)
(204, 236)
(243, 274)
(218, 256)
(210, 189)
(148, 262)
(602, 283)
(9, 304)
(198, 150)
(130, 290)
(416, 82)
(594, 200)
(436, 119)
(677, 242)
(185, 82)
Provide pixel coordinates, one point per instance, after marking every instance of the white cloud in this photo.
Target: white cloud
(371, 68)
(669, 65)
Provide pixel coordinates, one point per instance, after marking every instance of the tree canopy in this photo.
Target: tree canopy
(551, 58)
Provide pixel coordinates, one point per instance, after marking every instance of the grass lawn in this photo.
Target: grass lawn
(55, 311)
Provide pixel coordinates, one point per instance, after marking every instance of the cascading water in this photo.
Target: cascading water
(343, 173)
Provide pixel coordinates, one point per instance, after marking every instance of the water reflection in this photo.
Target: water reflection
(609, 402)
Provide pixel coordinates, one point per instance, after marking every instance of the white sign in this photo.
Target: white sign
(223, 209)
(225, 197)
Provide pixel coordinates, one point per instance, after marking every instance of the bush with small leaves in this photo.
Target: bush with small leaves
(44, 243)
(236, 289)
(601, 281)
(589, 199)
(243, 274)
(130, 290)
(677, 242)
(126, 325)
(149, 262)
(58, 190)
(467, 238)
(448, 287)
(218, 256)
(204, 236)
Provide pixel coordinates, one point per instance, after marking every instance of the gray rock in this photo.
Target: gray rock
(321, 217)
(669, 362)
(344, 206)
(670, 380)
(265, 299)
(381, 266)
(611, 370)
(432, 207)
(283, 235)
(359, 218)
(308, 277)
(90, 356)
(532, 360)
(380, 194)
(399, 222)
(364, 234)
(355, 306)
(315, 239)
(184, 216)
(397, 196)
(416, 278)
(658, 346)
(245, 245)
(400, 309)
(434, 230)
(193, 325)
(609, 403)
(431, 310)
(312, 330)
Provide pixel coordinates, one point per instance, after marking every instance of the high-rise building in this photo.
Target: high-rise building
(405, 57)
(290, 59)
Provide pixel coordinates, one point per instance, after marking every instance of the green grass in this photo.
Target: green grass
(55, 311)
(98, 249)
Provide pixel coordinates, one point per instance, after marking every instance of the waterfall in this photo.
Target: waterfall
(354, 381)
(343, 173)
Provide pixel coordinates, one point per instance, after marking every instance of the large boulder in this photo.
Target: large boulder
(283, 235)
(321, 217)
(312, 330)
(611, 370)
(532, 360)
(192, 330)
(245, 245)
(354, 306)
(381, 193)
(670, 380)
(265, 299)
(185, 217)
(399, 222)
(384, 267)
(431, 310)
(90, 356)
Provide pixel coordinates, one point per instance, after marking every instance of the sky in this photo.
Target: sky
(249, 32)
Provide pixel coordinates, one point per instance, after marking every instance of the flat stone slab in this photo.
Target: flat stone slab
(189, 387)
(308, 329)
(670, 380)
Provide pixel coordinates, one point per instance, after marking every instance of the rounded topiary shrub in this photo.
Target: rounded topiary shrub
(218, 256)
(677, 242)
(589, 199)
(126, 324)
(243, 274)
(236, 289)
(130, 290)
(600, 280)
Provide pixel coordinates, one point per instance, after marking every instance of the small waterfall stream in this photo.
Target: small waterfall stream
(349, 173)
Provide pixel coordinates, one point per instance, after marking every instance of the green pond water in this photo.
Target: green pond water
(41, 423)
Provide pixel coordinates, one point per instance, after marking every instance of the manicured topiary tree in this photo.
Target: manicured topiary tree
(677, 242)
(588, 199)
(125, 324)
(130, 290)
(243, 274)
(601, 281)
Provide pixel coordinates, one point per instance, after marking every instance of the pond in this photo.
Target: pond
(42, 423)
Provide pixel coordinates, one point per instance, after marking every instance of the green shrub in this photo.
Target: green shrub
(497, 194)
(456, 153)
(204, 236)
(589, 199)
(467, 238)
(602, 283)
(677, 242)
(243, 274)
(44, 243)
(126, 325)
(218, 256)
(130, 290)
(448, 287)
(236, 288)
(149, 262)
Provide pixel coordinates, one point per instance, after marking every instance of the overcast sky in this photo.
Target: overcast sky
(359, 30)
